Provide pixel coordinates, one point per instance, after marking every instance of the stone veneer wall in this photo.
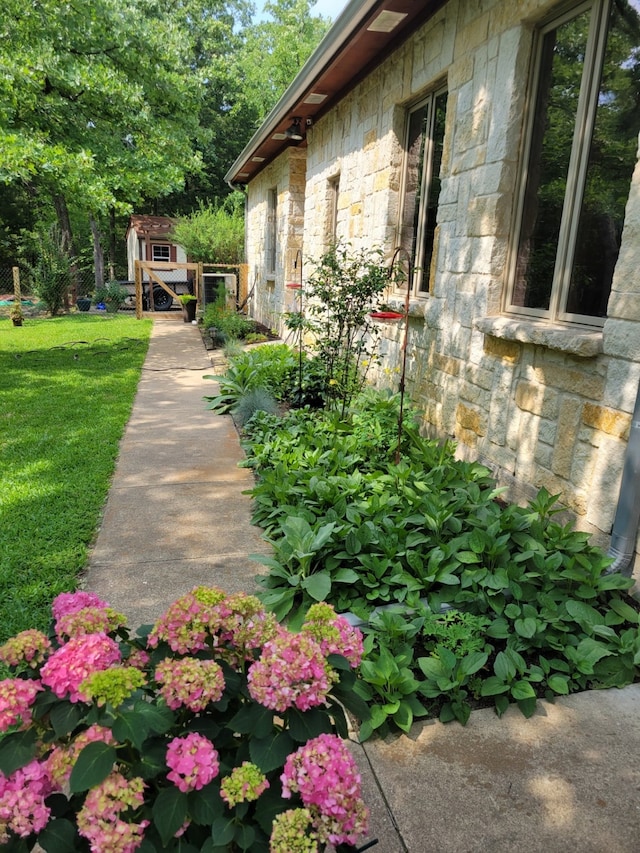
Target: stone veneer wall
(542, 406)
(287, 176)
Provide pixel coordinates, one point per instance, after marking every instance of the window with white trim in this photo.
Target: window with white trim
(331, 220)
(424, 141)
(160, 252)
(582, 138)
(271, 236)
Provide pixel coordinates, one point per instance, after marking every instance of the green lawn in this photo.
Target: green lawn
(66, 389)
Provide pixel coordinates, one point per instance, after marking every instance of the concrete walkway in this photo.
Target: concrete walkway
(566, 780)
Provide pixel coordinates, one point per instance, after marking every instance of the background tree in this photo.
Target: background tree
(107, 106)
(215, 232)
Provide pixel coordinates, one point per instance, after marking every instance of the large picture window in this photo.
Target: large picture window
(421, 188)
(582, 141)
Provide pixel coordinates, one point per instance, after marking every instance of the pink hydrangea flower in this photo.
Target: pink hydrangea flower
(138, 658)
(100, 821)
(22, 795)
(333, 633)
(16, 698)
(324, 774)
(241, 623)
(184, 625)
(28, 647)
(190, 682)
(88, 620)
(61, 759)
(71, 602)
(68, 667)
(193, 762)
(291, 672)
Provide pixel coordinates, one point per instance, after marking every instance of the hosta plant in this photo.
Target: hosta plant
(214, 730)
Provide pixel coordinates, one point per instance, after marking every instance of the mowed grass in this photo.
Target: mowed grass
(66, 390)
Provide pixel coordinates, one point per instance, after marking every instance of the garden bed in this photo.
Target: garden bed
(538, 614)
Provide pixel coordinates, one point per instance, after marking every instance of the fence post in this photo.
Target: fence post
(16, 282)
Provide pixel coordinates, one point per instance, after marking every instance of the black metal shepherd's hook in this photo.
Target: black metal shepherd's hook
(403, 349)
(295, 266)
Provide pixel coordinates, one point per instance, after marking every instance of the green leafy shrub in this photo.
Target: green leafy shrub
(267, 367)
(214, 234)
(227, 322)
(339, 294)
(51, 272)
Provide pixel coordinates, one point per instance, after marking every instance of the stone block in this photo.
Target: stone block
(621, 338)
(469, 419)
(467, 437)
(537, 399)
(509, 351)
(625, 306)
(607, 420)
(604, 487)
(587, 383)
(568, 424)
(623, 380)
(446, 364)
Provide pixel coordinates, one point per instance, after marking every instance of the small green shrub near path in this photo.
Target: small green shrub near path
(66, 389)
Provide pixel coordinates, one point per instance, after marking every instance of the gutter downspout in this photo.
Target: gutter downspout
(627, 518)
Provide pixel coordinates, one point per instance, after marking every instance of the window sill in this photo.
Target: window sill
(581, 342)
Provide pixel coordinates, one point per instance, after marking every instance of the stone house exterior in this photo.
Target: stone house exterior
(441, 127)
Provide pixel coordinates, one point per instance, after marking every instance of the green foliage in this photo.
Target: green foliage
(267, 368)
(65, 404)
(529, 610)
(339, 294)
(112, 294)
(226, 321)
(276, 48)
(255, 400)
(51, 273)
(214, 233)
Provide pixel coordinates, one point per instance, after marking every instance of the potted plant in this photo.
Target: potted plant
(189, 304)
(16, 313)
(216, 729)
(83, 303)
(112, 295)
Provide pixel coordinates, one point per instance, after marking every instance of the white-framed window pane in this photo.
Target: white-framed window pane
(421, 189)
(160, 253)
(271, 231)
(610, 164)
(582, 147)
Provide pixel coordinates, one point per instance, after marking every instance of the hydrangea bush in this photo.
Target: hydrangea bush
(216, 729)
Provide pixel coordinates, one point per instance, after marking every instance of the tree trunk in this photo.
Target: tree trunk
(98, 255)
(62, 213)
(112, 243)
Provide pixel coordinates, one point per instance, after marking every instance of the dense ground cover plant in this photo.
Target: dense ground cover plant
(212, 730)
(66, 389)
(540, 616)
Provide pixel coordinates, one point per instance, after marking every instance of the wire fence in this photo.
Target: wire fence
(10, 276)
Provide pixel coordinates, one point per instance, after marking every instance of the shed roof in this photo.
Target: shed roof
(363, 35)
(151, 226)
